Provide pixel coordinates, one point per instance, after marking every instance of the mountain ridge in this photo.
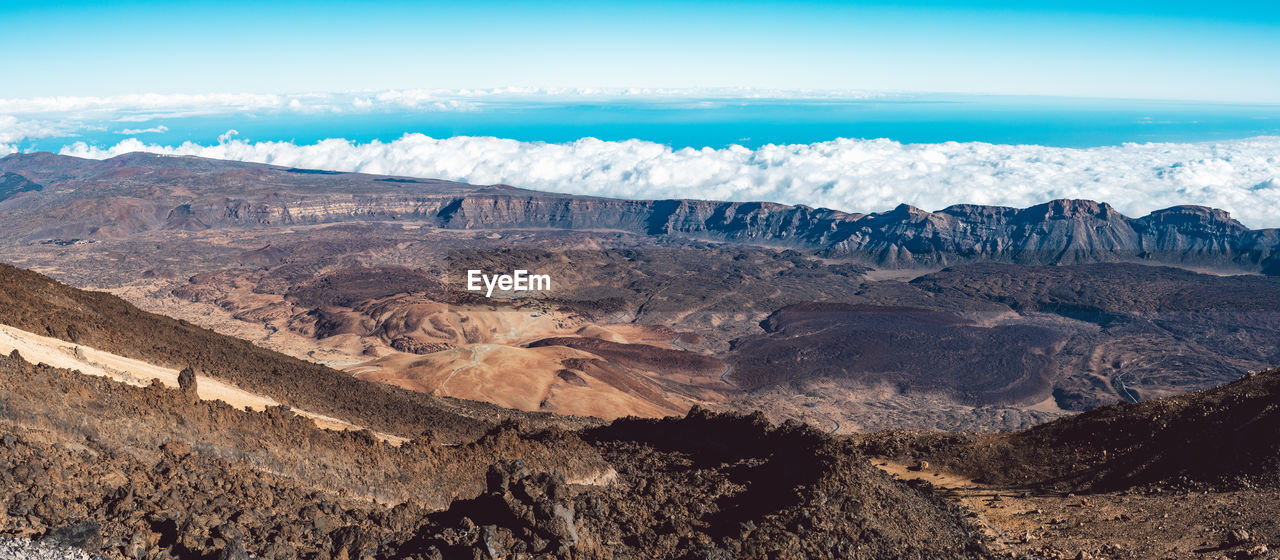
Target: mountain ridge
(138, 192)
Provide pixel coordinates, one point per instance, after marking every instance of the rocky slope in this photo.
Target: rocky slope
(37, 304)
(12, 184)
(1217, 439)
(148, 472)
(1186, 476)
(136, 193)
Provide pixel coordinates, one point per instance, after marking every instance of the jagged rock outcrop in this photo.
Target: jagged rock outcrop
(137, 193)
(187, 381)
(521, 513)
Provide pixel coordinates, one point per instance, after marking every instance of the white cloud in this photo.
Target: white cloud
(146, 106)
(13, 129)
(853, 175)
(144, 101)
(153, 130)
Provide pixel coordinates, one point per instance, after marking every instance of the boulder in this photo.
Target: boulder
(187, 381)
(86, 534)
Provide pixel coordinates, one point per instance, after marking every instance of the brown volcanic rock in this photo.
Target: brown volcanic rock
(107, 415)
(731, 486)
(704, 486)
(911, 349)
(1105, 288)
(521, 512)
(350, 287)
(1224, 437)
(156, 471)
(659, 375)
(1143, 331)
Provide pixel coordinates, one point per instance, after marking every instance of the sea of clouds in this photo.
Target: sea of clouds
(1241, 176)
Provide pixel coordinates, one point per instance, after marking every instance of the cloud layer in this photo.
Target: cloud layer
(13, 129)
(1241, 176)
(137, 107)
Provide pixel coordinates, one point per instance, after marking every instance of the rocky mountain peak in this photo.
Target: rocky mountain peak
(1194, 217)
(1072, 209)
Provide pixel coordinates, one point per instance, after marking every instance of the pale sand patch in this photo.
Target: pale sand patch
(512, 377)
(90, 361)
(637, 333)
(1049, 404)
(594, 331)
(898, 274)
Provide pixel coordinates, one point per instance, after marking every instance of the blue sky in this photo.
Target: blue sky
(1218, 51)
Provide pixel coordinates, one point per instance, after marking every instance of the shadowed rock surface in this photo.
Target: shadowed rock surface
(892, 345)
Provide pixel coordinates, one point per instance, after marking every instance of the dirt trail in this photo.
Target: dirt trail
(984, 502)
(1122, 525)
(89, 361)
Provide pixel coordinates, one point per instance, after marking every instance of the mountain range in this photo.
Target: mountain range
(134, 193)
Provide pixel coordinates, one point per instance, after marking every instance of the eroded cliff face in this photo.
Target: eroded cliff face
(137, 193)
(1057, 232)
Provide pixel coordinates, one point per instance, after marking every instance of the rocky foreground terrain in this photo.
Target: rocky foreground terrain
(29, 550)
(224, 482)
(154, 471)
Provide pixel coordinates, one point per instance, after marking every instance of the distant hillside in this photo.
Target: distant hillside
(13, 184)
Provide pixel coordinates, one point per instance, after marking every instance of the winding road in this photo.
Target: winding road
(829, 418)
(833, 421)
(1125, 393)
(727, 369)
(723, 375)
